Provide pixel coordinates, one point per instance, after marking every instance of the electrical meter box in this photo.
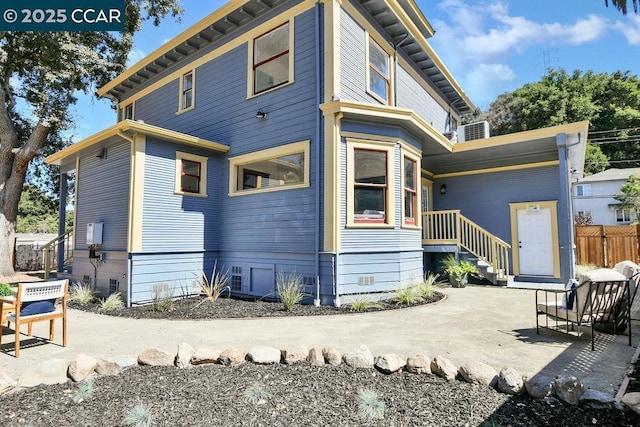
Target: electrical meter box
(94, 233)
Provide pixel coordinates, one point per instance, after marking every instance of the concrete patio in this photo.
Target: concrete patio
(490, 324)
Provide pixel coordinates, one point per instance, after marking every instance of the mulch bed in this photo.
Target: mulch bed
(297, 395)
(225, 308)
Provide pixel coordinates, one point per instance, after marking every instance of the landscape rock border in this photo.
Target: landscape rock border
(565, 388)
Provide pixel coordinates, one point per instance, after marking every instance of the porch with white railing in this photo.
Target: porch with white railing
(450, 227)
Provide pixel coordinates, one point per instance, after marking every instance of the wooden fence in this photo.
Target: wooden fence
(607, 245)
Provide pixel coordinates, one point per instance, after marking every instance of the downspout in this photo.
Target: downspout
(395, 69)
(316, 242)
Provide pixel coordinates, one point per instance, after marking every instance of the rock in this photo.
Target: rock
(510, 381)
(205, 356)
(7, 383)
(359, 357)
(81, 367)
(315, 357)
(126, 363)
(568, 389)
(263, 355)
(232, 357)
(332, 356)
(155, 357)
(632, 401)
(475, 372)
(107, 368)
(442, 367)
(184, 355)
(294, 354)
(389, 363)
(418, 364)
(537, 388)
(597, 399)
(53, 371)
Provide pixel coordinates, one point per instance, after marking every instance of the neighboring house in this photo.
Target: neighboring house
(315, 137)
(593, 195)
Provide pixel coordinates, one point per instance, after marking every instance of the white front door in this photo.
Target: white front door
(535, 247)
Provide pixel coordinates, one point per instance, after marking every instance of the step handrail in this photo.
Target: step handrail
(53, 247)
(451, 227)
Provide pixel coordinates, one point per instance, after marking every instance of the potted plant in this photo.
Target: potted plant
(458, 271)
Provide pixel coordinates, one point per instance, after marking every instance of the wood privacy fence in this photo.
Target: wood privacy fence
(607, 245)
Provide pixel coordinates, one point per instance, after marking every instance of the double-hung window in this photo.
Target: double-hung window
(583, 190)
(410, 185)
(272, 59)
(379, 72)
(191, 174)
(370, 181)
(187, 91)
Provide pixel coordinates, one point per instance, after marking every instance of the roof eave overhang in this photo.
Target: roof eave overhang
(127, 129)
(399, 117)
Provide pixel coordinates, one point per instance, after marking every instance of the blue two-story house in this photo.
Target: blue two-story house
(318, 137)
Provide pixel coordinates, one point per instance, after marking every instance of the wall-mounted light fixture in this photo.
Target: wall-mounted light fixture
(443, 189)
(261, 114)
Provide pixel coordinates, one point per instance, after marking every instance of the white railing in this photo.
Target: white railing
(52, 249)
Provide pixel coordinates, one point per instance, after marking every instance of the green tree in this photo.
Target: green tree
(595, 160)
(40, 74)
(38, 212)
(629, 197)
(611, 102)
(621, 5)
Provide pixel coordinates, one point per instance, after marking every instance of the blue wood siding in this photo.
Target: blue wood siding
(410, 94)
(103, 196)
(175, 222)
(484, 198)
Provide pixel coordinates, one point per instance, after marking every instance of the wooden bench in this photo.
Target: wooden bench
(56, 291)
(595, 301)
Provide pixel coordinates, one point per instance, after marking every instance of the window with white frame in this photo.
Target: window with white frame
(370, 181)
(624, 215)
(187, 91)
(277, 168)
(379, 72)
(410, 184)
(191, 174)
(272, 59)
(583, 190)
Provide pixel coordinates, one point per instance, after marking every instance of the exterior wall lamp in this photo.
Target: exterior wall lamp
(443, 189)
(261, 114)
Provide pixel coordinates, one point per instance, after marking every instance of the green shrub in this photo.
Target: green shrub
(458, 270)
(162, 301)
(407, 295)
(213, 289)
(425, 289)
(290, 289)
(84, 390)
(112, 302)
(369, 406)
(82, 294)
(256, 394)
(360, 304)
(584, 268)
(5, 290)
(138, 416)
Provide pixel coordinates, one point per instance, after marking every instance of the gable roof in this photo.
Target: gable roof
(612, 175)
(402, 20)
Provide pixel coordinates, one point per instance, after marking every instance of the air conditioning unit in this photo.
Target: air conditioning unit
(451, 136)
(473, 131)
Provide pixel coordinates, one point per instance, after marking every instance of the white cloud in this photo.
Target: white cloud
(485, 80)
(630, 29)
(134, 56)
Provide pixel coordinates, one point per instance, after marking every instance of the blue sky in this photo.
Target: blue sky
(490, 47)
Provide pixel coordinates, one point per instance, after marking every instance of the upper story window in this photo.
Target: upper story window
(379, 74)
(128, 112)
(277, 168)
(187, 91)
(410, 184)
(191, 174)
(272, 59)
(583, 190)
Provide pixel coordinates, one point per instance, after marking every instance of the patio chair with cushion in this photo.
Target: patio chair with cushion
(594, 301)
(38, 302)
